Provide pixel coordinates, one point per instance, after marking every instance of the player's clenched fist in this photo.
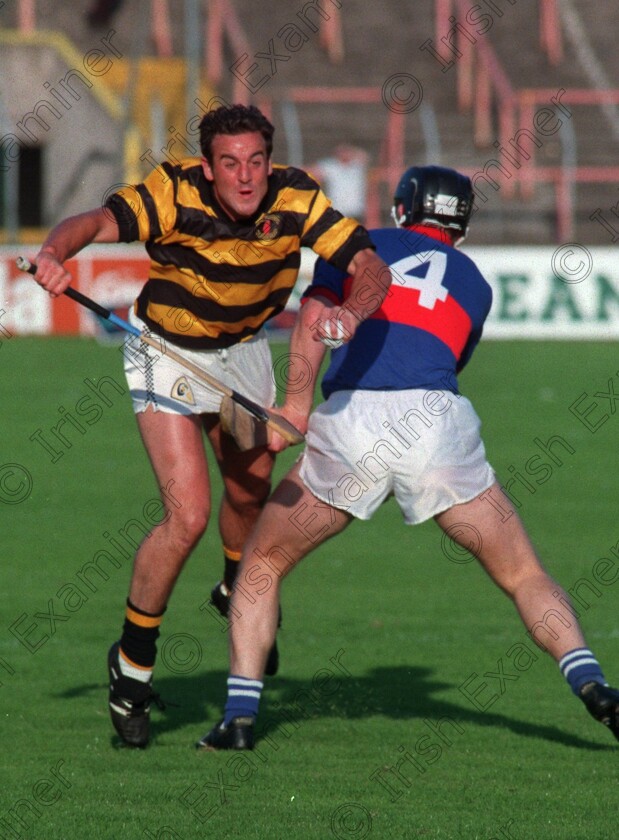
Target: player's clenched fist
(65, 240)
(51, 275)
(335, 327)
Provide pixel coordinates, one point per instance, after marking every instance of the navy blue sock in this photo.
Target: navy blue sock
(580, 667)
(243, 698)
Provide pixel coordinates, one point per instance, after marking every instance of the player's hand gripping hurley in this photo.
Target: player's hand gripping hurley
(273, 421)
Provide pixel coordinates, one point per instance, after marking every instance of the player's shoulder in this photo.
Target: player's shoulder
(397, 241)
(190, 163)
(292, 176)
(190, 169)
(471, 280)
(466, 262)
(187, 169)
(384, 236)
(409, 247)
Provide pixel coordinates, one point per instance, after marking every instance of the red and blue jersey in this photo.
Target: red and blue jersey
(427, 327)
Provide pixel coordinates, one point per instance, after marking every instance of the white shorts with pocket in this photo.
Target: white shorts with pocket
(423, 447)
(155, 380)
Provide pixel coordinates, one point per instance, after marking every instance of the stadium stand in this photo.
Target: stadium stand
(448, 81)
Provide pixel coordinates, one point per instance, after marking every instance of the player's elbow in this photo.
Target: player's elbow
(105, 226)
(367, 261)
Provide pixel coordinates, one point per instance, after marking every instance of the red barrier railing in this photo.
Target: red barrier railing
(223, 23)
(549, 25)
(481, 80)
(26, 16)
(159, 15)
(529, 98)
(391, 160)
(550, 31)
(161, 29)
(481, 83)
(562, 181)
(482, 86)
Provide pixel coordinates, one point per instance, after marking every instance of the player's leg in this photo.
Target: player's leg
(246, 367)
(491, 529)
(292, 524)
(247, 484)
(296, 520)
(175, 447)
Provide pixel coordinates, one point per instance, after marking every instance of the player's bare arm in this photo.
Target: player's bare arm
(313, 331)
(306, 356)
(65, 240)
(371, 280)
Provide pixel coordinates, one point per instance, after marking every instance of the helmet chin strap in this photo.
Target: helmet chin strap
(399, 220)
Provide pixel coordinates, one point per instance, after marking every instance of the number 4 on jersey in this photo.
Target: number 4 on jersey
(430, 286)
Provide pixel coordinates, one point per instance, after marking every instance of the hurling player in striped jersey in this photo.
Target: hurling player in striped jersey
(223, 232)
(395, 423)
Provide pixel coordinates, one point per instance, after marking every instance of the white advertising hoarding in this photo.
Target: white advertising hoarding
(556, 292)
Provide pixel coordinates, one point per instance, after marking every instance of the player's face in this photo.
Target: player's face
(239, 172)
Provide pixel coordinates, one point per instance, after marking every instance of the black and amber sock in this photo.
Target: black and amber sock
(138, 648)
(231, 567)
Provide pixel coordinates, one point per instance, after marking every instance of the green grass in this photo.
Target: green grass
(406, 625)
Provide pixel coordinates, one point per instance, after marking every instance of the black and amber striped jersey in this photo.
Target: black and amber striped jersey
(214, 281)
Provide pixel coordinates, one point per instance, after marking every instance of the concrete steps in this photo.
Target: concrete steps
(382, 41)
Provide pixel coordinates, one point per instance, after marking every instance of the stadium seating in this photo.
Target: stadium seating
(466, 93)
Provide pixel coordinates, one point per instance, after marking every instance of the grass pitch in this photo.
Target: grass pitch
(373, 728)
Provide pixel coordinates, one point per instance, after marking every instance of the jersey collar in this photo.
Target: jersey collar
(434, 233)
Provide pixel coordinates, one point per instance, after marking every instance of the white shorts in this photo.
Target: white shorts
(423, 447)
(155, 380)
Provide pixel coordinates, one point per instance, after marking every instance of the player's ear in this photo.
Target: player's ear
(269, 167)
(206, 168)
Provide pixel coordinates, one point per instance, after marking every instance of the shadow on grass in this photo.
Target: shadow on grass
(396, 693)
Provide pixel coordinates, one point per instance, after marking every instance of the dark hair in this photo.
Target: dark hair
(233, 119)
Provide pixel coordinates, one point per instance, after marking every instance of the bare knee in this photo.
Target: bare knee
(519, 582)
(189, 522)
(250, 495)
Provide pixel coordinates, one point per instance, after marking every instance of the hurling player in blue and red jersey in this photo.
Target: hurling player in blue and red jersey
(394, 423)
